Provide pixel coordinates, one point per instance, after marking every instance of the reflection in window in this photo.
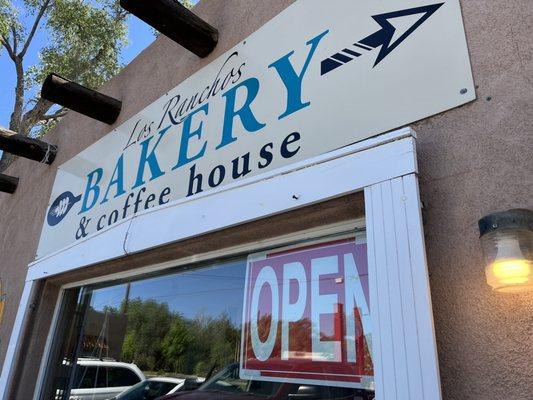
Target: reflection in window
(185, 326)
(168, 323)
(85, 378)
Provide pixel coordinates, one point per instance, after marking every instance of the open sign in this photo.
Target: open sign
(306, 316)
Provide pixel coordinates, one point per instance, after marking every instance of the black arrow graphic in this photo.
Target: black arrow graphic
(381, 38)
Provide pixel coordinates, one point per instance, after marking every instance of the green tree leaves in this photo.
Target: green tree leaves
(6, 13)
(162, 341)
(176, 345)
(84, 42)
(85, 45)
(148, 323)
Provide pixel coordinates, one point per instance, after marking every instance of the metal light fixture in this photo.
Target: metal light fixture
(507, 241)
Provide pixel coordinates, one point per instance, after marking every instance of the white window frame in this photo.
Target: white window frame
(385, 167)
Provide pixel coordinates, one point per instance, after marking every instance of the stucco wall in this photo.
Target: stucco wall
(473, 160)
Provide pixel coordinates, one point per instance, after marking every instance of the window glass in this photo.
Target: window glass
(116, 377)
(147, 390)
(283, 324)
(228, 380)
(85, 378)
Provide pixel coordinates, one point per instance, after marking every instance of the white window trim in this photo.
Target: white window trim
(404, 345)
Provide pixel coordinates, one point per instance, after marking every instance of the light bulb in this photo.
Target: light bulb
(507, 241)
(502, 275)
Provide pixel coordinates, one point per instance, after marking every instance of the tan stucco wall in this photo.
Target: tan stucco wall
(473, 160)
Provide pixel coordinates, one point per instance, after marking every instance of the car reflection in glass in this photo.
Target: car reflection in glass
(154, 388)
(226, 385)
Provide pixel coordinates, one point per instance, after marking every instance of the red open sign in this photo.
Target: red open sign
(306, 316)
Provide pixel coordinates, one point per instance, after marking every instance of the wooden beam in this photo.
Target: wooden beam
(177, 22)
(78, 98)
(8, 184)
(26, 147)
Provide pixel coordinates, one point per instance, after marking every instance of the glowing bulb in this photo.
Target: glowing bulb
(507, 241)
(510, 275)
(512, 271)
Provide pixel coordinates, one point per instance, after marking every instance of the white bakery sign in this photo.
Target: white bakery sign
(319, 76)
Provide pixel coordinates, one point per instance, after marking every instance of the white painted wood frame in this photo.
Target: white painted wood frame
(404, 350)
(404, 346)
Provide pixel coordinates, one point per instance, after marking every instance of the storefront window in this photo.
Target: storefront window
(284, 324)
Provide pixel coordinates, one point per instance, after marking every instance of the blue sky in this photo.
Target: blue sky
(211, 291)
(140, 36)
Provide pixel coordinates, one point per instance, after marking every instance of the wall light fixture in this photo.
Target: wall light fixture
(507, 241)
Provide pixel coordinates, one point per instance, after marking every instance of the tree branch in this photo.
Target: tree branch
(58, 114)
(16, 116)
(35, 115)
(42, 10)
(15, 43)
(6, 44)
